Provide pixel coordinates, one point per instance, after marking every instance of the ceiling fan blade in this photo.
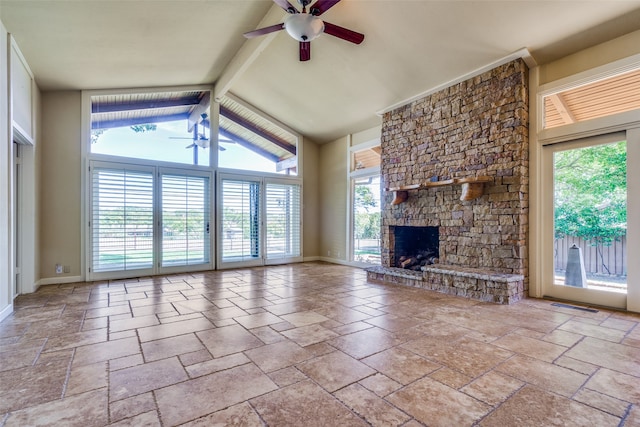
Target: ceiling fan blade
(305, 51)
(263, 31)
(288, 7)
(343, 33)
(321, 6)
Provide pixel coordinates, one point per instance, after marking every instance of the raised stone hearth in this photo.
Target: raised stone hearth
(476, 128)
(476, 284)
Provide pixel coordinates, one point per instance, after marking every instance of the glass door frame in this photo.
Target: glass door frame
(550, 289)
(263, 259)
(210, 248)
(540, 265)
(355, 176)
(220, 262)
(156, 171)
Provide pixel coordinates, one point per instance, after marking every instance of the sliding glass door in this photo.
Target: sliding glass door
(186, 207)
(147, 220)
(282, 209)
(589, 207)
(259, 221)
(240, 222)
(122, 218)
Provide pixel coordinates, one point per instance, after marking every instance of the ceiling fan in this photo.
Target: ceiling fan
(305, 26)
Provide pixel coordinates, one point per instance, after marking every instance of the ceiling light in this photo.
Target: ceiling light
(304, 27)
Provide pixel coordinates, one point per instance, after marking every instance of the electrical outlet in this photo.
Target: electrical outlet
(59, 269)
(328, 253)
(67, 269)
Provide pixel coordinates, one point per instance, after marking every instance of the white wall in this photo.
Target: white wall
(5, 183)
(20, 104)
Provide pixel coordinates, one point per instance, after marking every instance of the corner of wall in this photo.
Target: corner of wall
(310, 201)
(333, 198)
(60, 184)
(6, 306)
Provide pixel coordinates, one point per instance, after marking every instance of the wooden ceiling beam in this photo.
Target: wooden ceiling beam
(248, 145)
(114, 107)
(196, 114)
(236, 118)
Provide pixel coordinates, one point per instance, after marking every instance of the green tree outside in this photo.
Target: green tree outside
(590, 193)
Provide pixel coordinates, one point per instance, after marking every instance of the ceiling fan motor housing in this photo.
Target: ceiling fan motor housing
(304, 27)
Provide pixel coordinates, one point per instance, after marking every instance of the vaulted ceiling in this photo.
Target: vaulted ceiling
(410, 46)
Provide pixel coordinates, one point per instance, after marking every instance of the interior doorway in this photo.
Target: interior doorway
(17, 220)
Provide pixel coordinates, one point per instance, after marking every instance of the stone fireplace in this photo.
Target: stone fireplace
(474, 129)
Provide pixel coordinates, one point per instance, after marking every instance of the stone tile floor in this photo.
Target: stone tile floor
(309, 345)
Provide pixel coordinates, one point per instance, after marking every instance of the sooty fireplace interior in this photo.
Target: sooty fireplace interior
(414, 247)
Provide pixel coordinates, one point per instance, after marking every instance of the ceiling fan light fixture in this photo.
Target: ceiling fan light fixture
(304, 27)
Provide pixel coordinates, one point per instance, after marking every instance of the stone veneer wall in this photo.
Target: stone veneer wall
(475, 128)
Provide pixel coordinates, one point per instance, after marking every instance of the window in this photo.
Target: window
(185, 219)
(283, 220)
(124, 238)
(601, 98)
(121, 219)
(240, 220)
(160, 126)
(149, 187)
(260, 221)
(249, 141)
(365, 203)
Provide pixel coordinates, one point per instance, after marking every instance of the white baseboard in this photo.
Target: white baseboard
(6, 312)
(340, 261)
(58, 280)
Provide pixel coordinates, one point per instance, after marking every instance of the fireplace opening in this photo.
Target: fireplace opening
(415, 247)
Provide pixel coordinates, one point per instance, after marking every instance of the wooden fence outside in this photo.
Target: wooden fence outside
(601, 260)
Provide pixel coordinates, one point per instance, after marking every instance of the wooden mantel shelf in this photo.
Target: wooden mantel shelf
(472, 188)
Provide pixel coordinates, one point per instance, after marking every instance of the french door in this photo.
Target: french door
(147, 220)
(259, 221)
(591, 220)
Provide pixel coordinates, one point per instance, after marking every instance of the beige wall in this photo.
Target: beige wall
(334, 188)
(333, 199)
(30, 201)
(310, 200)
(366, 136)
(60, 188)
(595, 56)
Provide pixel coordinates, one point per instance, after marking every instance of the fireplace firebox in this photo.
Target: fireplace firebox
(414, 247)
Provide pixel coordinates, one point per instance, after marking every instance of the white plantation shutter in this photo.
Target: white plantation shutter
(121, 219)
(185, 220)
(282, 220)
(240, 220)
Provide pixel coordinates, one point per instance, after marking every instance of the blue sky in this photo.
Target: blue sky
(163, 145)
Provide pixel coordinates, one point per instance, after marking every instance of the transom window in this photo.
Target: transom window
(605, 97)
(161, 126)
(249, 141)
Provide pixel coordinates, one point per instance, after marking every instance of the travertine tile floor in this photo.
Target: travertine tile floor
(309, 345)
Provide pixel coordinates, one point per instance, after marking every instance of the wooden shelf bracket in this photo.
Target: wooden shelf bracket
(472, 188)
